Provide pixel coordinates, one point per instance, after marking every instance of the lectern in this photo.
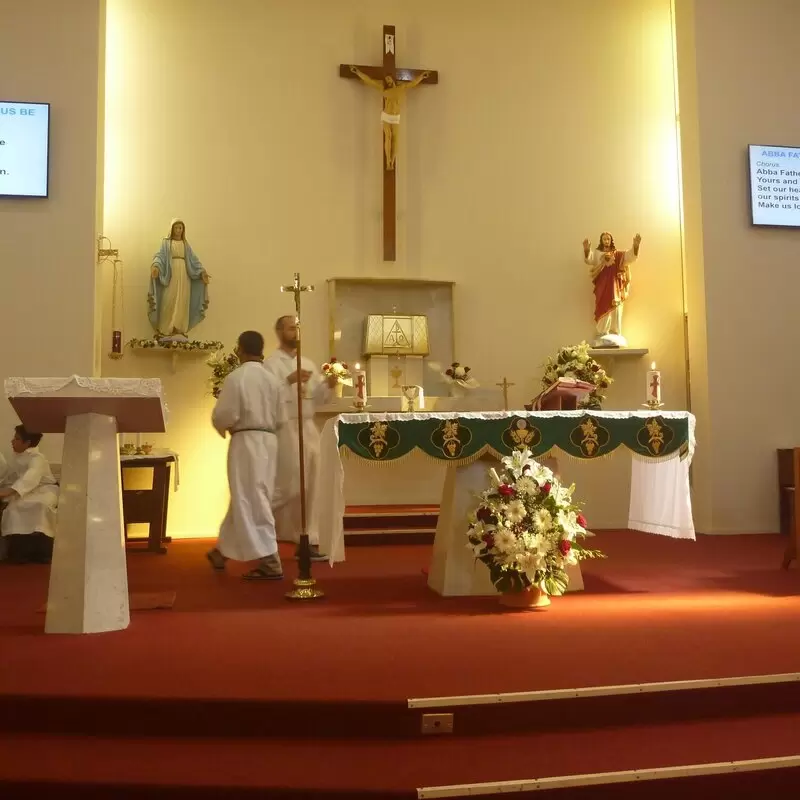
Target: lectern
(563, 395)
(88, 577)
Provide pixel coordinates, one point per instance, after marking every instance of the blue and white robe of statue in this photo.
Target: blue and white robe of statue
(178, 298)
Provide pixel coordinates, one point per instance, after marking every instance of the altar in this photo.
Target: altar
(661, 445)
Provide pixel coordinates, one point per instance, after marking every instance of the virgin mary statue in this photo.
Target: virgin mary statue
(178, 296)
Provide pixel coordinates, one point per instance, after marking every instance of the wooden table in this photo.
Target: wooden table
(788, 474)
(148, 505)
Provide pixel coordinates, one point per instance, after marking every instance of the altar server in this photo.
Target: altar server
(316, 392)
(30, 494)
(249, 408)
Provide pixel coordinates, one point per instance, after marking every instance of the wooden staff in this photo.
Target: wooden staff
(305, 587)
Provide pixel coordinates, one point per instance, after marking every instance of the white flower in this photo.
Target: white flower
(530, 562)
(515, 511)
(542, 520)
(568, 522)
(518, 461)
(504, 541)
(541, 474)
(526, 485)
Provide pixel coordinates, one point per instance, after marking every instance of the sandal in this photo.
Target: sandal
(263, 574)
(216, 559)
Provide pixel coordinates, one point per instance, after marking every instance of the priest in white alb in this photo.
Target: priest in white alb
(316, 392)
(250, 410)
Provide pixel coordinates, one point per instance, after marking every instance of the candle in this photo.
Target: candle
(138, 441)
(360, 384)
(653, 385)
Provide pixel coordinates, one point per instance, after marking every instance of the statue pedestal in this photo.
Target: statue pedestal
(386, 375)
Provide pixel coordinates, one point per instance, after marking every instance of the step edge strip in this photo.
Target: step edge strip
(600, 691)
(604, 778)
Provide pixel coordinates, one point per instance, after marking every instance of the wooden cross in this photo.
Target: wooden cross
(505, 386)
(401, 80)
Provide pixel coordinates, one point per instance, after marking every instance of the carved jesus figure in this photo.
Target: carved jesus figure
(610, 272)
(393, 93)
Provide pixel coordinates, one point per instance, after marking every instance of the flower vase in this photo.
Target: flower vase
(530, 599)
(338, 389)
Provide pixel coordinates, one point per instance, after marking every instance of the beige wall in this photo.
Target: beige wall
(750, 276)
(50, 53)
(551, 122)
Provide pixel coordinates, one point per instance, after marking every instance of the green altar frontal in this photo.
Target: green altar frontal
(462, 438)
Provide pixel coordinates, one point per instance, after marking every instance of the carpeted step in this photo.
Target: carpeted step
(369, 768)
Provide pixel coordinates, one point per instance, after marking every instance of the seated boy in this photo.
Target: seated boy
(30, 494)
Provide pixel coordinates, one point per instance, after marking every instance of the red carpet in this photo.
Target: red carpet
(655, 610)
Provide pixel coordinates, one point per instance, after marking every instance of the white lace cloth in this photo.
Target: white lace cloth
(660, 500)
(121, 387)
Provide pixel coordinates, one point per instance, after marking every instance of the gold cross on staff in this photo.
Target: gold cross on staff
(505, 386)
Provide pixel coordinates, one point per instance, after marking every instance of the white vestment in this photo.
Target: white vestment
(175, 299)
(250, 409)
(287, 484)
(34, 509)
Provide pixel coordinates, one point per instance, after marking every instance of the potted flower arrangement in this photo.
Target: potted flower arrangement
(341, 371)
(575, 362)
(221, 367)
(527, 530)
(458, 377)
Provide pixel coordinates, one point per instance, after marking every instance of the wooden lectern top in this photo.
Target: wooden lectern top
(44, 404)
(563, 395)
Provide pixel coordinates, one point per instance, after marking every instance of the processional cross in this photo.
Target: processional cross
(505, 385)
(304, 585)
(393, 83)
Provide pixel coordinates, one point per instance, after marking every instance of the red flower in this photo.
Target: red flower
(546, 488)
(346, 367)
(449, 373)
(333, 361)
(488, 540)
(565, 545)
(485, 515)
(506, 490)
(582, 521)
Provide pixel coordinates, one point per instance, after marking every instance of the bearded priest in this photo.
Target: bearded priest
(316, 392)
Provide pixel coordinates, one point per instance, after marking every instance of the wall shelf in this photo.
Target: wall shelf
(205, 350)
(618, 352)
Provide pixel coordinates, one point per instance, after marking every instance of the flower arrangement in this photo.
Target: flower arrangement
(526, 528)
(459, 375)
(339, 369)
(575, 362)
(221, 367)
(167, 344)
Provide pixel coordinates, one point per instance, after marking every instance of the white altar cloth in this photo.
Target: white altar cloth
(660, 499)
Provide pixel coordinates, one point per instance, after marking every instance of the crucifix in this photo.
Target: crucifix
(392, 83)
(505, 385)
(305, 587)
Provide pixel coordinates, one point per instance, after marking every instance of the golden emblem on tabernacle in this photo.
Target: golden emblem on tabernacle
(655, 435)
(377, 438)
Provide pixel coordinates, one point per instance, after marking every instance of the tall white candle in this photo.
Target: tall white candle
(360, 385)
(653, 385)
(138, 441)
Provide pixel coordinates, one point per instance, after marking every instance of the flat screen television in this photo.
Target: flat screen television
(775, 186)
(24, 149)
